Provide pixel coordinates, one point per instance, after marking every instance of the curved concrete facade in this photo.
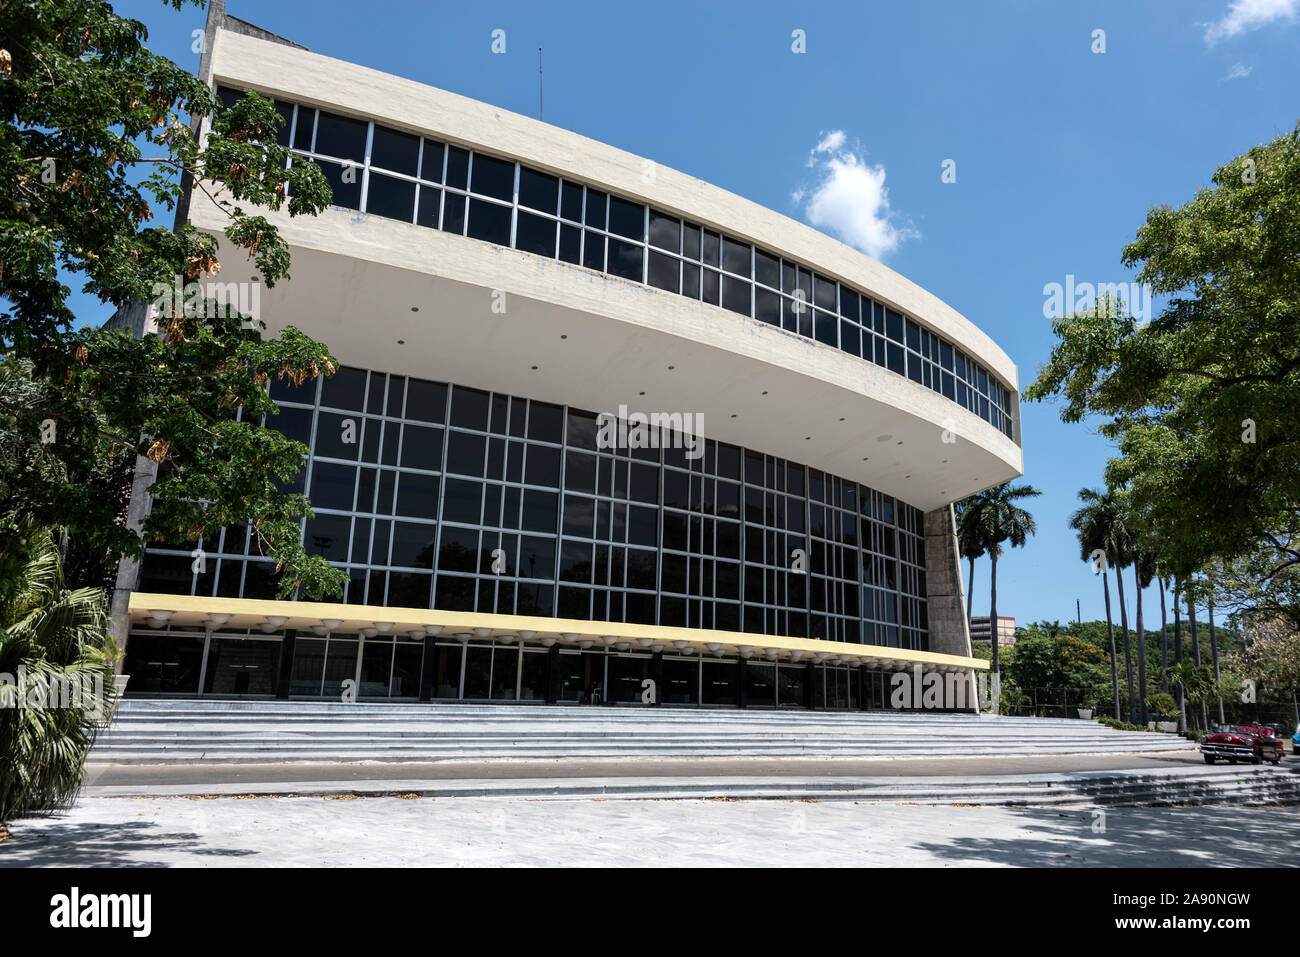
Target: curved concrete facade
(809, 443)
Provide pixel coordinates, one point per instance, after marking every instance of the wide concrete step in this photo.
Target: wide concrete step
(168, 731)
(1172, 786)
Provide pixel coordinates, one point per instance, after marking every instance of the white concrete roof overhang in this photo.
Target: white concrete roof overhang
(356, 279)
(599, 342)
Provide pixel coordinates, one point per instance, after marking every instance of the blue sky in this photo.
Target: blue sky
(1059, 151)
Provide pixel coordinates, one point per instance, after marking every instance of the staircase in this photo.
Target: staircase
(156, 731)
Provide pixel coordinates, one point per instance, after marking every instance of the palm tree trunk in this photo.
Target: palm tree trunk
(1128, 650)
(1164, 639)
(1142, 649)
(1180, 692)
(1214, 656)
(1110, 633)
(993, 610)
(970, 591)
(1196, 653)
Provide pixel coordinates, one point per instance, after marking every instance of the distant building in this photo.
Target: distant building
(979, 630)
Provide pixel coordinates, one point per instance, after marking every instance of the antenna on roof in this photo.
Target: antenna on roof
(540, 113)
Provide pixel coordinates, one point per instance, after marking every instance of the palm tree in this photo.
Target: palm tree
(1096, 522)
(59, 639)
(970, 546)
(1144, 570)
(999, 519)
(1164, 634)
(1211, 579)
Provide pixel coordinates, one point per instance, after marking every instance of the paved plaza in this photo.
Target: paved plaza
(343, 831)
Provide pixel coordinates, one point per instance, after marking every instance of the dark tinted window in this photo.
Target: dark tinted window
(535, 234)
(345, 389)
(538, 190)
(431, 161)
(571, 202)
(489, 222)
(665, 231)
(394, 150)
(626, 219)
(596, 202)
(493, 177)
(393, 198)
(625, 259)
(457, 167)
(664, 272)
(345, 182)
(341, 136)
(735, 257)
(430, 207)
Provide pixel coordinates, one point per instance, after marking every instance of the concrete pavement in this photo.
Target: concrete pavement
(478, 832)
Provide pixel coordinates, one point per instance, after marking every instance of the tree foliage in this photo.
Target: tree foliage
(99, 137)
(1203, 400)
(50, 636)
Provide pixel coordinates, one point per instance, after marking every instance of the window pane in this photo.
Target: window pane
(767, 269)
(493, 177)
(691, 241)
(893, 325)
(849, 303)
(489, 222)
(396, 151)
(824, 292)
(735, 295)
(711, 287)
(593, 251)
(664, 272)
(625, 259)
(453, 213)
(430, 206)
(570, 243)
(571, 202)
(457, 167)
(538, 190)
(709, 248)
(596, 202)
(303, 131)
(665, 231)
(285, 111)
(690, 281)
(827, 328)
(767, 306)
(626, 219)
(346, 194)
(735, 257)
(341, 136)
(431, 162)
(850, 338)
(393, 198)
(535, 234)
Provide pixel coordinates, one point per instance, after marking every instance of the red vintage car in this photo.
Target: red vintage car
(1242, 742)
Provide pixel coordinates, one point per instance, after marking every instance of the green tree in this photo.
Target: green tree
(1202, 401)
(53, 637)
(98, 135)
(996, 519)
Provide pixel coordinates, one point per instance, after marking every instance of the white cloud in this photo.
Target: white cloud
(1238, 71)
(849, 199)
(1243, 16)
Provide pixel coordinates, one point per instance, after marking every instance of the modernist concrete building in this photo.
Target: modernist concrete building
(499, 290)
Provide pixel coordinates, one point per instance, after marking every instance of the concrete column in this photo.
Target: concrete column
(128, 570)
(946, 596)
